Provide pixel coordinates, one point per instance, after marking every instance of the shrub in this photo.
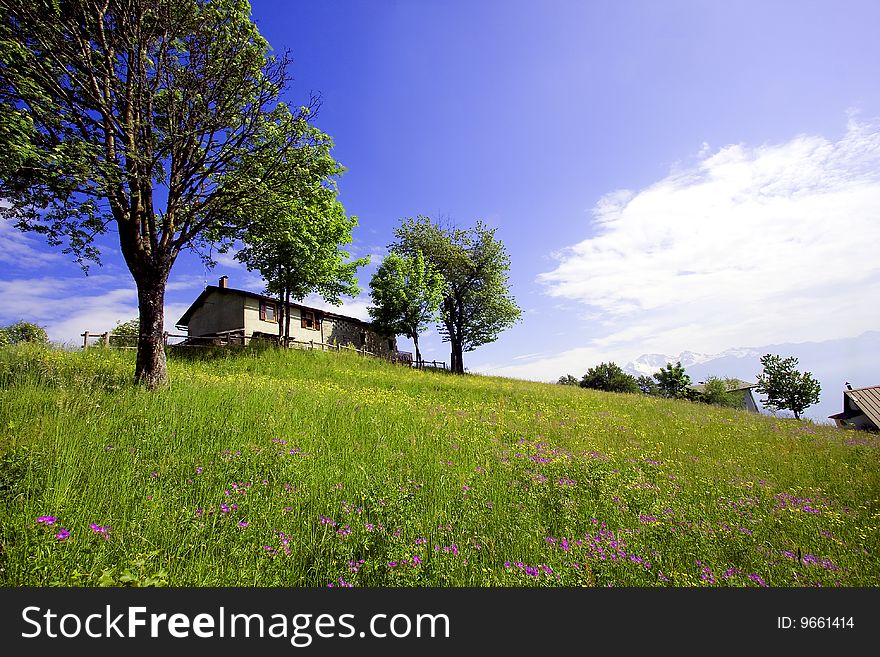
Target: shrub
(609, 377)
(23, 332)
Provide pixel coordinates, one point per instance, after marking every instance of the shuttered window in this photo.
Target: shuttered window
(310, 320)
(267, 312)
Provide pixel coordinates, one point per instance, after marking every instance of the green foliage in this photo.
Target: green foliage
(610, 378)
(23, 332)
(787, 388)
(83, 155)
(673, 382)
(647, 385)
(295, 240)
(125, 334)
(477, 304)
(718, 391)
(406, 292)
(568, 380)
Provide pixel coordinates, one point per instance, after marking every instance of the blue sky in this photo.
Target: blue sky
(667, 176)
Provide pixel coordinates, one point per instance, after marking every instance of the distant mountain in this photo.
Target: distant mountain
(832, 363)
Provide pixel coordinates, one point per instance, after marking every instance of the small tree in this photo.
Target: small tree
(609, 377)
(406, 293)
(673, 381)
(785, 387)
(297, 251)
(126, 333)
(716, 391)
(22, 332)
(647, 385)
(568, 380)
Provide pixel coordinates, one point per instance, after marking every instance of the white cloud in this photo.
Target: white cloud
(23, 249)
(67, 307)
(774, 243)
(356, 307)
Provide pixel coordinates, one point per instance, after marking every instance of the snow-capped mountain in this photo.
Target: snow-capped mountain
(832, 363)
(649, 364)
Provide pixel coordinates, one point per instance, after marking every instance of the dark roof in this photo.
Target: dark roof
(867, 400)
(184, 320)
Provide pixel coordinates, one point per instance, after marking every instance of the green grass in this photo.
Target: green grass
(266, 468)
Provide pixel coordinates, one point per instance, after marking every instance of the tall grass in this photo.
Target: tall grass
(274, 468)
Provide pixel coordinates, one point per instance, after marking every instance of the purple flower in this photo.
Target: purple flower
(62, 534)
(47, 520)
(98, 529)
(757, 578)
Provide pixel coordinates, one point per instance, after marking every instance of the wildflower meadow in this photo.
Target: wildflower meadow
(309, 469)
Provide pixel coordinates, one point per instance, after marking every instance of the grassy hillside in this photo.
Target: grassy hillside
(313, 469)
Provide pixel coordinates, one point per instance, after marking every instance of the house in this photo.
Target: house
(740, 389)
(861, 409)
(222, 312)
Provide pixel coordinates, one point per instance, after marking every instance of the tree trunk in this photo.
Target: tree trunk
(278, 316)
(286, 316)
(151, 369)
(416, 344)
(456, 365)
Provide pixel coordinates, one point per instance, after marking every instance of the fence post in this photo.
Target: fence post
(311, 345)
(85, 340)
(105, 338)
(165, 338)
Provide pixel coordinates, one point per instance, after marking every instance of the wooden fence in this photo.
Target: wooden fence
(237, 338)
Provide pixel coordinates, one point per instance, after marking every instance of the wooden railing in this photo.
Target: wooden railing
(236, 337)
(429, 364)
(221, 339)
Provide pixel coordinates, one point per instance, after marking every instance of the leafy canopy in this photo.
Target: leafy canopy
(610, 378)
(785, 387)
(718, 392)
(477, 304)
(673, 382)
(406, 292)
(23, 332)
(159, 122)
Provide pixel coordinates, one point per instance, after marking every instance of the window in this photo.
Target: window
(267, 312)
(363, 336)
(309, 320)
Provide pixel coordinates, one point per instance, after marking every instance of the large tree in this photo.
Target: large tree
(406, 292)
(157, 119)
(785, 386)
(477, 304)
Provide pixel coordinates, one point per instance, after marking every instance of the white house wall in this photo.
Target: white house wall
(253, 323)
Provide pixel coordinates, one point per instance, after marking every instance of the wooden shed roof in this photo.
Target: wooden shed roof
(867, 400)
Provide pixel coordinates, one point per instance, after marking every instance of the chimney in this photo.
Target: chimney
(224, 281)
